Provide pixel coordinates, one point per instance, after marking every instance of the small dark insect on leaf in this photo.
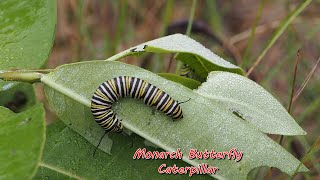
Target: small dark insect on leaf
(237, 113)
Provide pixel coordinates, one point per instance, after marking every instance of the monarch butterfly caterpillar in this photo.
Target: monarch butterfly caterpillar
(110, 91)
(188, 72)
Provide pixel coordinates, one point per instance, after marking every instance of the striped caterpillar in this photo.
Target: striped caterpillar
(110, 91)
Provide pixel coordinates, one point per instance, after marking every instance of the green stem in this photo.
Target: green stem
(278, 33)
(306, 155)
(190, 21)
(85, 34)
(21, 75)
(246, 52)
(159, 65)
(189, 28)
(120, 25)
(214, 16)
(166, 17)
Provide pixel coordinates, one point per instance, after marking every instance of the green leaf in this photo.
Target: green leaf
(250, 102)
(190, 83)
(22, 139)
(190, 52)
(201, 67)
(26, 34)
(207, 123)
(79, 163)
(18, 98)
(46, 172)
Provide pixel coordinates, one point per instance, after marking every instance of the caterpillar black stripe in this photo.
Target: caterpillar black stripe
(188, 72)
(110, 91)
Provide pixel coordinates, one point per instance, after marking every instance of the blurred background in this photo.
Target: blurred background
(97, 29)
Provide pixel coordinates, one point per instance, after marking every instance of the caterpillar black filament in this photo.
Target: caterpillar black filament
(110, 91)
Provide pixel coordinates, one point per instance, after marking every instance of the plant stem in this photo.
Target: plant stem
(189, 28)
(278, 33)
(21, 75)
(166, 16)
(294, 81)
(245, 56)
(120, 25)
(159, 63)
(316, 143)
(305, 82)
(190, 21)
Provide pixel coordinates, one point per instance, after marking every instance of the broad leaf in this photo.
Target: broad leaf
(18, 98)
(77, 162)
(190, 52)
(207, 123)
(26, 34)
(250, 102)
(22, 139)
(190, 83)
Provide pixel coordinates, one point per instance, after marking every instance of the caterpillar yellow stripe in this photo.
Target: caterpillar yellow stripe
(188, 72)
(110, 91)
